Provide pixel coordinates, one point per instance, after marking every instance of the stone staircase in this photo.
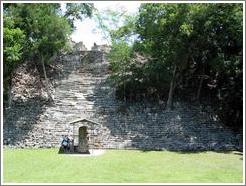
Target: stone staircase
(82, 90)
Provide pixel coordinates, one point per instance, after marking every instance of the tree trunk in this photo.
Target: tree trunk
(171, 90)
(46, 80)
(9, 92)
(199, 89)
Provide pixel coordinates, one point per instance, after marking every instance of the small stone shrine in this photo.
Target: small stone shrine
(83, 135)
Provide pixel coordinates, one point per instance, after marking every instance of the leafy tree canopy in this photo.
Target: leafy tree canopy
(195, 53)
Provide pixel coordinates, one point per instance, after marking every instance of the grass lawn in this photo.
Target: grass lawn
(117, 166)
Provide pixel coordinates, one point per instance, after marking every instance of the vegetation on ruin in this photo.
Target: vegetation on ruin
(191, 52)
(117, 166)
(37, 32)
(165, 52)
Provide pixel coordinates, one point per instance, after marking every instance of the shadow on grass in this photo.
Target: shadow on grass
(70, 151)
(217, 151)
(195, 151)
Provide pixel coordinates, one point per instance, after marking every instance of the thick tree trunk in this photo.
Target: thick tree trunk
(171, 90)
(46, 80)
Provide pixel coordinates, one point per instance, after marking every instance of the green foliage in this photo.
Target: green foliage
(44, 26)
(46, 30)
(116, 25)
(201, 40)
(120, 63)
(125, 32)
(13, 44)
(36, 32)
(78, 11)
(119, 56)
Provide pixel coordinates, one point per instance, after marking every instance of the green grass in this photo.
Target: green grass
(117, 166)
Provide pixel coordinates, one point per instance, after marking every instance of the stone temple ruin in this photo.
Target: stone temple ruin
(77, 46)
(85, 108)
(102, 48)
